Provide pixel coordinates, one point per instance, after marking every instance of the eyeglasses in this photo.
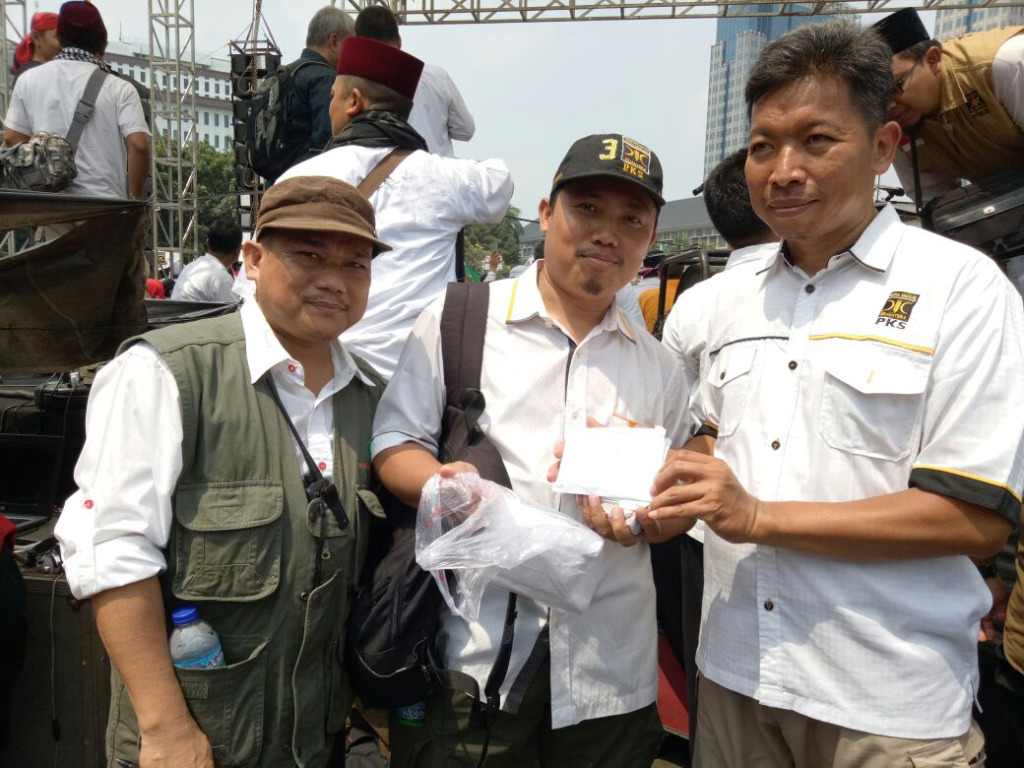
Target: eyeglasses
(897, 86)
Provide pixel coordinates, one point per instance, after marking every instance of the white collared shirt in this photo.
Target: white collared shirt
(686, 328)
(537, 383)
(420, 209)
(439, 113)
(113, 529)
(205, 279)
(898, 365)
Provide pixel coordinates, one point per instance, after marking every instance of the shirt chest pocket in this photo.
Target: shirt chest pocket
(729, 375)
(872, 400)
(227, 544)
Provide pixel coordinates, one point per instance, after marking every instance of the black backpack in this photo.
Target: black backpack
(272, 139)
(390, 649)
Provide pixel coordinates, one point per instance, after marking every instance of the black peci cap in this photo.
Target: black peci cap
(902, 30)
(614, 155)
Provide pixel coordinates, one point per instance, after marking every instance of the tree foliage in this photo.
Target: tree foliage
(482, 239)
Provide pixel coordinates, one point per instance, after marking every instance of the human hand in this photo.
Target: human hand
(1000, 601)
(448, 471)
(560, 447)
(696, 486)
(178, 743)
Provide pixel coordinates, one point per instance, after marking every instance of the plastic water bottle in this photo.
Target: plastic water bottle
(194, 644)
(414, 715)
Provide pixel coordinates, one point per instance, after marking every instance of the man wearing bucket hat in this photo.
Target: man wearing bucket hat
(266, 541)
(422, 201)
(579, 688)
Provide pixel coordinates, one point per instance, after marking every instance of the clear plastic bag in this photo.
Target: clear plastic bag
(486, 535)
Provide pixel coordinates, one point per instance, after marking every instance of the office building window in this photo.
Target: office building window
(216, 141)
(206, 118)
(216, 119)
(216, 88)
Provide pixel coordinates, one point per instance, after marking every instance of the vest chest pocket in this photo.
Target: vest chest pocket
(728, 378)
(872, 400)
(227, 543)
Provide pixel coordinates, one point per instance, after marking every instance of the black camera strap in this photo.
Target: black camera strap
(317, 486)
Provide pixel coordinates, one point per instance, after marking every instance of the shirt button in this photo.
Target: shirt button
(792, 365)
(303, 596)
(776, 445)
(88, 504)
(809, 288)
(769, 605)
(575, 414)
(721, 375)
(322, 465)
(287, 748)
(291, 367)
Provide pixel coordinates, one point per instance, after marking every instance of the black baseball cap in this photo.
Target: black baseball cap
(614, 155)
(902, 30)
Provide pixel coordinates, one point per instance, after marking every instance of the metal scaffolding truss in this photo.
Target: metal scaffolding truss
(15, 26)
(172, 75)
(511, 11)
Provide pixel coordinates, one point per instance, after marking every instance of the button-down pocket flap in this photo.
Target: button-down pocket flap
(730, 363)
(878, 370)
(371, 502)
(229, 506)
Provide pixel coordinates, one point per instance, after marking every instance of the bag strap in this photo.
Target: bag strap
(86, 106)
(382, 170)
(316, 484)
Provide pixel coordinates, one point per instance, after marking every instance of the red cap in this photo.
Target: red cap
(80, 22)
(44, 21)
(381, 63)
(23, 53)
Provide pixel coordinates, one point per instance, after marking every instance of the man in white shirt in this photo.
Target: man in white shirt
(557, 351)
(727, 200)
(862, 393)
(960, 104)
(46, 98)
(209, 277)
(439, 112)
(268, 540)
(420, 206)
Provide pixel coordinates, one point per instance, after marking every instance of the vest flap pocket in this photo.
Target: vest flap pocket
(874, 369)
(228, 702)
(371, 502)
(228, 506)
(227, 541)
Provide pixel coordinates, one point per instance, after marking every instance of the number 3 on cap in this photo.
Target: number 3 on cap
(610, 146)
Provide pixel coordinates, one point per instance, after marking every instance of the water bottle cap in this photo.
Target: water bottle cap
(185, 615)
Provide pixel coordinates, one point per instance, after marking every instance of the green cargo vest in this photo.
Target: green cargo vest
(243, 550)
(973, 137)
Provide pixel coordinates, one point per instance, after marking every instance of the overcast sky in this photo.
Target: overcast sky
(533, 88)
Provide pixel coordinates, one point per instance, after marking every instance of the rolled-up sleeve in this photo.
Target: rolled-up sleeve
(972, 441)
(114, 528)
(412, 406)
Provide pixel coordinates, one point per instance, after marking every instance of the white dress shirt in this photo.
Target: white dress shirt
(536, 383)
(898, 365)
(420, 209)
(686, 328)
(45, 99)
(205, 279)
(114, 528)
(439, 113)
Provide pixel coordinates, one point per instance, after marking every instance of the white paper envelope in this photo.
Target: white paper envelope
(613, 462)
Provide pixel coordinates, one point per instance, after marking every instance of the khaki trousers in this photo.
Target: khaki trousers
(738, 732)
(525, 739)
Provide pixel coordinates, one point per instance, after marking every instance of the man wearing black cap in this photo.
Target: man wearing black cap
(266, 541)
(580, 689)
(46, 99)
(960, 104)
(422, 200)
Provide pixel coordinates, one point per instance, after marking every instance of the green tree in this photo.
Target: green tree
(482, 239)
(215, 188)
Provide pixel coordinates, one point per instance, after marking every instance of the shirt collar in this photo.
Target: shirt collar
(309, 53)
(874, 248)
(526, 303)
(263, 351)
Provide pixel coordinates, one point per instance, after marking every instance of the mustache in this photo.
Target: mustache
(319, 298)
(598, 253)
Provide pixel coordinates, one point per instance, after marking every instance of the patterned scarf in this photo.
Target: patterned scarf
(77, 54)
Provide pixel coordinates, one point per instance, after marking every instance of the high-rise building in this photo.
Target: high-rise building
(213, 89)
(738, 43)
(955, 23)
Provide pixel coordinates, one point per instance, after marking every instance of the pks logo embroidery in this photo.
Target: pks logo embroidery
(976, 105)
(896, 311)
(636, 158)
